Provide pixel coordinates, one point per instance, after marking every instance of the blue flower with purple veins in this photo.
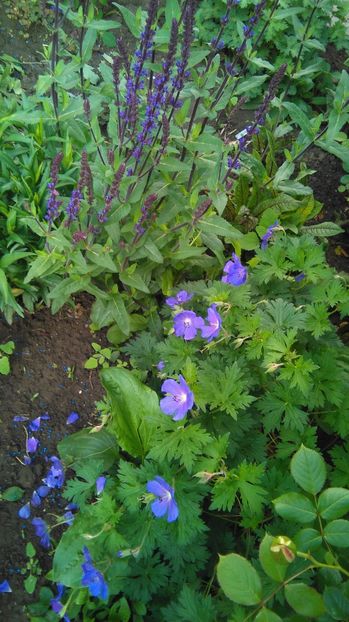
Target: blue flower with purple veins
(214, 324)
(100, 484)
(72, 418)
(24, 511)
(268, 234)
(186, 324)
(166, 503)
(92, 578)
(235, 272)
(179, 399)
(5, 587)
(32, 445)
(179, 299)
(42, 531)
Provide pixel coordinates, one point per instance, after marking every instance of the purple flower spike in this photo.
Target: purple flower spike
(72, 418)
(100, 484)
(36, 499)
(179, 400)
(187, 324)
(92, 578)
(42, 531)
(165, 504)
(32, 445)
(35, 424)
(179, 299)
(236, 273)
(268, 234)
(214, 324)
(24, 511)
(5, 587)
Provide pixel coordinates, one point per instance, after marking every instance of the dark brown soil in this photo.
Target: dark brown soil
(46, 346)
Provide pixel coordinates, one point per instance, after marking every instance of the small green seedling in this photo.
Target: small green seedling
(6, 350)
(102, 357)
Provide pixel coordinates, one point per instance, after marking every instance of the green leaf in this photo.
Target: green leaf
(265, 615)
(4, 287)
(337, 533)
(269, 561)
(295, 507)
(135, 408)
(134, 280)
(130, 20)
(333, 503)
(238, 579)
(30, 584)
(7, 347)
(14, 493)
(323, 229)
(308, 469)
(219, 226)
(118, 312)
(84, 445)
(336, 603)
(30, 550)
(304, 600)
(91, 363)
(4, 366)
(308, 539)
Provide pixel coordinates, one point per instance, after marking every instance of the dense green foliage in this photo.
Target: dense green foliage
(109, 187)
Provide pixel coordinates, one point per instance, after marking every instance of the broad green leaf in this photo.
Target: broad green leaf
(269, 562)
(134, 280)
(304, 600)
(8, 347)
(299, 117)
(135, 409)
(91, 363)
(14, 493)
(336, 603)
(103, 24)
(308, 469)
(30, 584)
(308, 539)
(337, 533)
(4, 366)
(85, 444)
(219, 226)
(117, 308)
(42, 265)
(238, 579)
(30, 550)
(323, 229)
(295, 507)
(333, 503)
(265, 615)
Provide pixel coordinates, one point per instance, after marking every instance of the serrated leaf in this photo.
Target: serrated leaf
(304, 600)
(333, 503)
(238, 579)
(308, 469)
(337, 533)
(295, 507)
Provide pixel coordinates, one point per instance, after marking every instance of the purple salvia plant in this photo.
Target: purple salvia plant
(53, 205)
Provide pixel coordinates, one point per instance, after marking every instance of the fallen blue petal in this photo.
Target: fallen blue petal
(5, 587)
(72, 418)
(24, 511)
(100, 484)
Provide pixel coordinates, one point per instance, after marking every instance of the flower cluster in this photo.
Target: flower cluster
(53, 205)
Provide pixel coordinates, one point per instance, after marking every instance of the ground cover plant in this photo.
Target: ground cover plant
(124, 180)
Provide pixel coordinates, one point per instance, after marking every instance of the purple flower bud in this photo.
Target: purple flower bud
(32, 445)
(72, 418)
(24, 511)
(179, 299)
(268, 235)
(100, 484)
(160, 366)
(299, 277)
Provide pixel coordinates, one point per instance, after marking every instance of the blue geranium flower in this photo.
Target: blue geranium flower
(165, 504)
(268, 234)
(235, 272)
(214, 324)
(187, 324)
(179, 400)
(56, 604)
(92, 578)
(179, 299)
